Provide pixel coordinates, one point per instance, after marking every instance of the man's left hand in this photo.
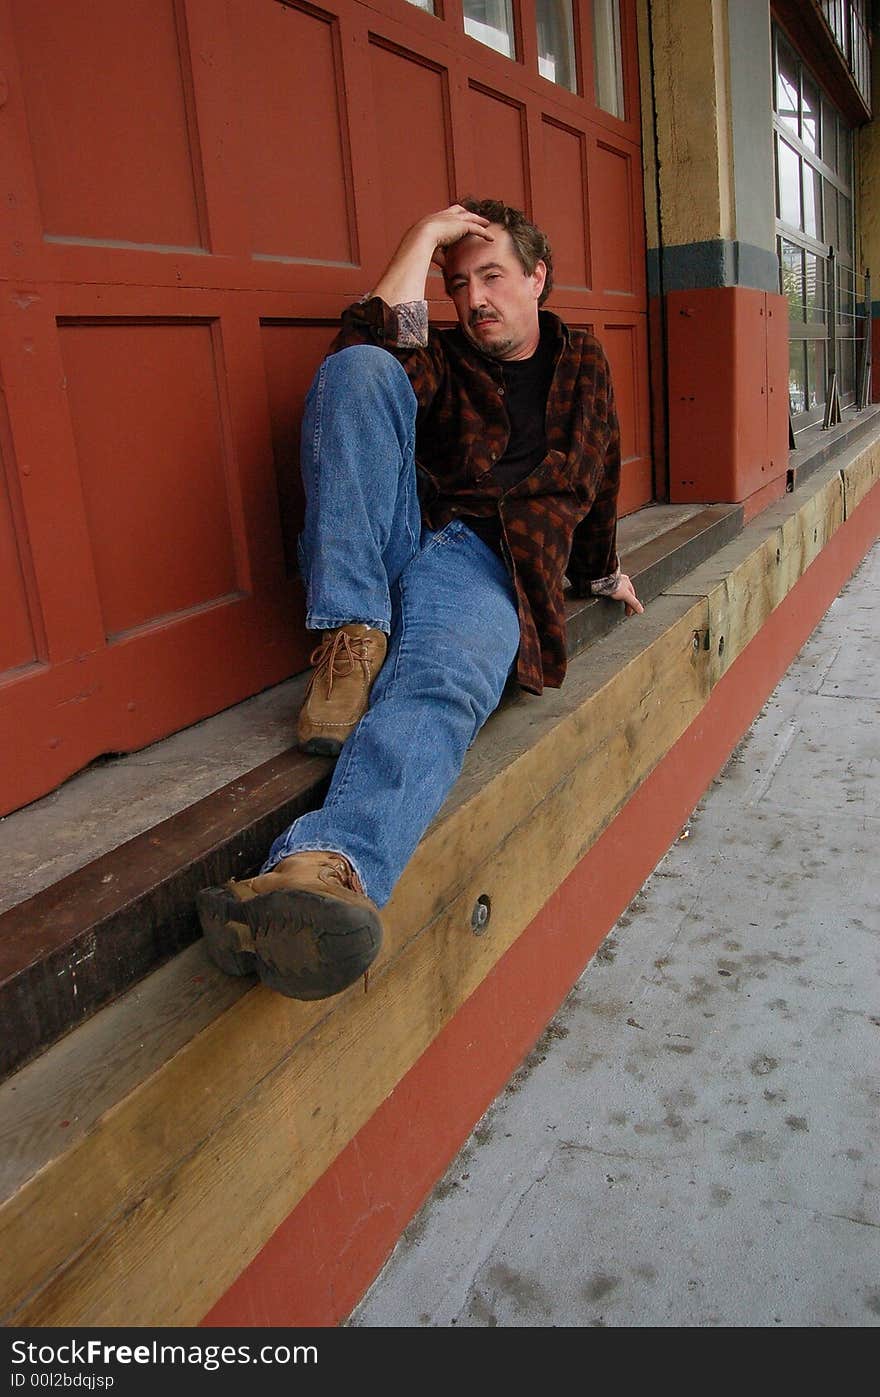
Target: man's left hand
(626, 593)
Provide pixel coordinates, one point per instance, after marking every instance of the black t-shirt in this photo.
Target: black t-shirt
(526, 385)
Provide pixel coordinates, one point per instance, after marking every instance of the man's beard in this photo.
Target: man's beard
(494, 351)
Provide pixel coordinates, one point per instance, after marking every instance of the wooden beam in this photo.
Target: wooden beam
(80, 943)
(860, 471)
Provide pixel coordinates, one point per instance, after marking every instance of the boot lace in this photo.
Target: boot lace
(336, 656)
(339, 870)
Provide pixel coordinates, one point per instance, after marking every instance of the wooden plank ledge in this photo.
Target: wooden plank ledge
(73, 947)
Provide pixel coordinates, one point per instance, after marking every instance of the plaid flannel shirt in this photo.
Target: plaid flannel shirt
(562, 518)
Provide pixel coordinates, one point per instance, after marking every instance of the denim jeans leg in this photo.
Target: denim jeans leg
(454, 637)
(362, 520)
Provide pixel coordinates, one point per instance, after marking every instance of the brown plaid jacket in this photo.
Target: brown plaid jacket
(562, 518)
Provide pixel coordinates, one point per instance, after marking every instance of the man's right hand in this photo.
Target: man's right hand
(449, 226)
(425, 242)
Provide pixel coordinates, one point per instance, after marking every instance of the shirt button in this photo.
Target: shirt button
(501, 392)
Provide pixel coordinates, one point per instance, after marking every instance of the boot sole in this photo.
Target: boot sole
(229, 942)
(301, 944)
(321, 746)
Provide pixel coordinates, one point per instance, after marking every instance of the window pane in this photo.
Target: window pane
(844, 155)
(815, 372)
(793, 279)
(810, 114)
(834, 13)
(556, 42)
(845, 299)
(846, 367)
(797, 377)
(789, 186)
(829, 136)
(608, 56)
(787, 86)
(424, 5)
(844, 226)
(812, 201)
(491, 21)
(830, 213)
(814, 288)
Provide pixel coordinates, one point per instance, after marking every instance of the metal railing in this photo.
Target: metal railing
(848, 302)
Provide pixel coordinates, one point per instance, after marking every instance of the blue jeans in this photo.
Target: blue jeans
(445, 600)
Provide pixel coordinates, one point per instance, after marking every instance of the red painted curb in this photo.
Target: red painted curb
(322, 1258)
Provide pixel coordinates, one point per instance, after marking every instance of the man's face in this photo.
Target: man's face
(496, 300)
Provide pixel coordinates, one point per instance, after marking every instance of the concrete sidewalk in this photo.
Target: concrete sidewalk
(694, 1140)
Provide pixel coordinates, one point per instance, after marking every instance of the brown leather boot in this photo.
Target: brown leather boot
(307, 928)
(346, 664)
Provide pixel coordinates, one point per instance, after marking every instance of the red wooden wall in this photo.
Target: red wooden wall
(191, 191)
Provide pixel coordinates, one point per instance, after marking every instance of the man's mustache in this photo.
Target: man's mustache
(476, 316)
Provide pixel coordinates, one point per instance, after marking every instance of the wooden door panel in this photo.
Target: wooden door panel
(623, 340)
(50, 520)
(291, 351)
(615, 244)
(502, 166)
(53, 721)
(564, 206)
(290, 64)
(18, 646)
(153, 462)
(106, 108)
(411, 112)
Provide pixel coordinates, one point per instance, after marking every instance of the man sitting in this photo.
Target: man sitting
(453, 478)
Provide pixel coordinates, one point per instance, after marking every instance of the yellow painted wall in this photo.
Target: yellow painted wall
(691, 91)
(868, 185)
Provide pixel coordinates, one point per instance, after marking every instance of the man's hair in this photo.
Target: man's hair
(530, 244)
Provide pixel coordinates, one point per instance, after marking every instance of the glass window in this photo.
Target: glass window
(844, 155)
(814, 214)
(491, 21)
(836, 17)
(789, 185)
(845, 298)
(810, 113)
(814, 288)
(812, 202)
(829, 135)
(846, 367)
(815, 373)
(848, 22)
(830, 194)
(797, 377)
(608, 56)
(427, 5)
(556, 42)
(787, 86)
(793, 279)
(844, 226)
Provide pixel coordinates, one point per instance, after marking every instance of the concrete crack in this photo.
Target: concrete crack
(461, 1284)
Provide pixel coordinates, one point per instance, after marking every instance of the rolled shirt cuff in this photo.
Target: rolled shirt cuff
(403, 326)
(605, 586)
(412, 325)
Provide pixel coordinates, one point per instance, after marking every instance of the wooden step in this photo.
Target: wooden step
(76, 945)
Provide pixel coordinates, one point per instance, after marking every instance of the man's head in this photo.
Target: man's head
(497, 286)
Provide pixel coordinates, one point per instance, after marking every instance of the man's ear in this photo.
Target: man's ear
(539, 276)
